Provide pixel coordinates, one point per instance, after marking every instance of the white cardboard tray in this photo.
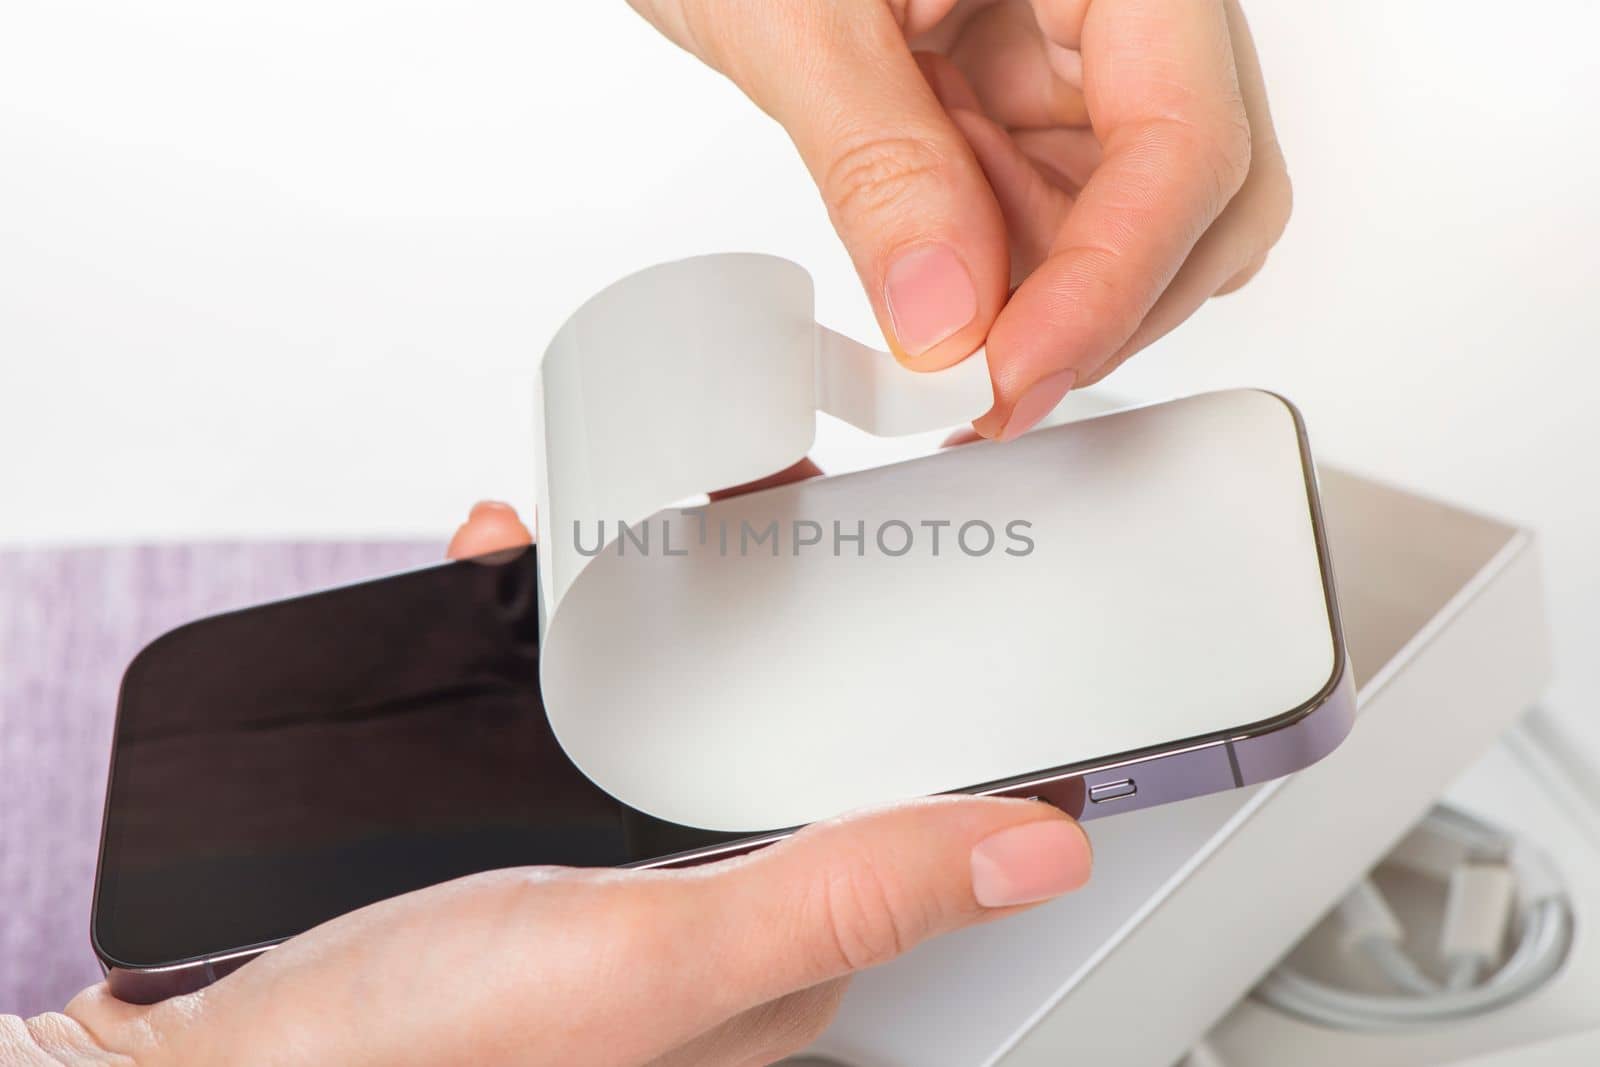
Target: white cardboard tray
(1518, 787)
(1192, 903)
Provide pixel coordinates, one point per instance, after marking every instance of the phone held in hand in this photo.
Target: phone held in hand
(1172, 631)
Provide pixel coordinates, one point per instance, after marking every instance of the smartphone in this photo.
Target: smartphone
(278, 766)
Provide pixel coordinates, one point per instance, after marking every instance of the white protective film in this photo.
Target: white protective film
(1146, 576)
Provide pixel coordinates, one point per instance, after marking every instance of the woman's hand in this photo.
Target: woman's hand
(738, 962)
(1112, 159)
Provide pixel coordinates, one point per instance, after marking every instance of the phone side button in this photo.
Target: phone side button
(1117, 789)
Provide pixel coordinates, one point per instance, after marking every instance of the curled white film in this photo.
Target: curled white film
(986, 612)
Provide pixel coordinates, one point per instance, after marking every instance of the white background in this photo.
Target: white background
(284, 268)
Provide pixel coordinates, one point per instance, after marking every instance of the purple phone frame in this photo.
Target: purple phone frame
(1210, 763)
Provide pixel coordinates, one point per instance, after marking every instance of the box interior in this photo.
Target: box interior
(1402, 564)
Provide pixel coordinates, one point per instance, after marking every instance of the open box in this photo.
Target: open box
(1192, 903)
(1521, 787)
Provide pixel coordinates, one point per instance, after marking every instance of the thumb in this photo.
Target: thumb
(902, 186)
(843, 896)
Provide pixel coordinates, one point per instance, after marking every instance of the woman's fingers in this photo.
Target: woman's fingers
(1087, 147)
(1164, 99)
(901, 185)
(1236, 245)
(1013, 72)
(763, 1034)
(1071, 153)
(491, 527)
(1035, 207)
(620, 967)
(843, 896)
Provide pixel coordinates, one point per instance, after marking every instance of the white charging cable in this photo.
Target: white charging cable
(1497, 887)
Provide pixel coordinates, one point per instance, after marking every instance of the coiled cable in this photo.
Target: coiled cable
(1497, 887)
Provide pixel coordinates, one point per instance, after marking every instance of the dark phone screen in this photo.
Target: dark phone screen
(278, 766)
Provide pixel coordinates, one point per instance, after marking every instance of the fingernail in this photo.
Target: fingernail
(1029, 863)
(484, 506)
(1038, 402)
(930, 297)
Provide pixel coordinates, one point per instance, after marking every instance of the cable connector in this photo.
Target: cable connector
(1490, 875)
(1371, 928)
(1477, 912)
(1366, 917)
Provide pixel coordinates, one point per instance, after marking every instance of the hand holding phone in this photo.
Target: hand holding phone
(277, 767)
(739, 961)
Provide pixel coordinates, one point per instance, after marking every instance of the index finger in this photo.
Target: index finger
(1163, 97)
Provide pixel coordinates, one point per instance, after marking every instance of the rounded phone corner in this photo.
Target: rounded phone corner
(1299, 738)
(1297, 743)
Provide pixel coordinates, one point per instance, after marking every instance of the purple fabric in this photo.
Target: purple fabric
(70, 621)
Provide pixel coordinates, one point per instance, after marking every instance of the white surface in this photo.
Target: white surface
(777, 688)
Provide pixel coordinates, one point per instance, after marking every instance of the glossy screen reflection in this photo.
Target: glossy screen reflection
(279, 766)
